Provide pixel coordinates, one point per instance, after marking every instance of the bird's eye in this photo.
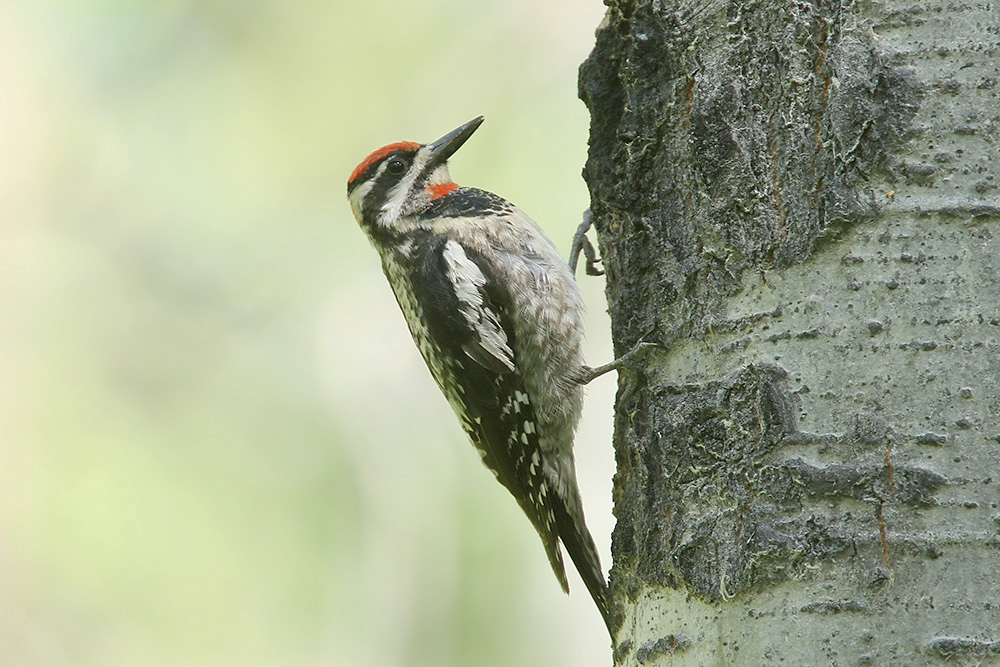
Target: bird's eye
(395, 166)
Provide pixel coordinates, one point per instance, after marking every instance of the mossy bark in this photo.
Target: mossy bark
(798, 200)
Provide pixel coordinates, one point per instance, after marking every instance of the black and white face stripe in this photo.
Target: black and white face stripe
(403, 179)
(393, 188)
(402, 189)
(368, 192)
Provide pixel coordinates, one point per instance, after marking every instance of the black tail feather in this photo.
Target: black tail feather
(581, 549)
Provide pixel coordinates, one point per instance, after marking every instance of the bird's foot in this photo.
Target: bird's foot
(627, 360)
(582, 242)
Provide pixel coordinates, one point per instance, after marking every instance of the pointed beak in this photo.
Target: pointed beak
(445, 147)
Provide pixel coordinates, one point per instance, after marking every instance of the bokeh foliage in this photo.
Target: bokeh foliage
(218, 445)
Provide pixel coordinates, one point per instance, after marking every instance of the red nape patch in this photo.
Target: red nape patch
(378, 155)
(439, 190)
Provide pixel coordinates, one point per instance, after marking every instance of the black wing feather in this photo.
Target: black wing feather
(498, 416)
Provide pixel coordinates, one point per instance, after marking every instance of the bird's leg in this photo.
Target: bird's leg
(627, 360)
(582, 242)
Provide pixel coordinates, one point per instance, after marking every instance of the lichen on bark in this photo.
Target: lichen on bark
(795, 200)
(720, 150)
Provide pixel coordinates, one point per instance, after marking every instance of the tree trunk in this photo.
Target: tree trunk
(797, 199)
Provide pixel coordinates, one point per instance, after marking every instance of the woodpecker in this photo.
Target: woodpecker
(497, 316)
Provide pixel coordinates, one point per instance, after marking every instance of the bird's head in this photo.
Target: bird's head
(403, 179)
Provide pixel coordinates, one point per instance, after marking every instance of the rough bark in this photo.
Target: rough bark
(798, 200)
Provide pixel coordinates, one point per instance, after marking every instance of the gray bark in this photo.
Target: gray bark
(799, 201)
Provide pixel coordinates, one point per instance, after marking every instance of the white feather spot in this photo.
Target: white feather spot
(469, 283)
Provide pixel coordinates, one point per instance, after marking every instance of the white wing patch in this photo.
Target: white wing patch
(490, 348)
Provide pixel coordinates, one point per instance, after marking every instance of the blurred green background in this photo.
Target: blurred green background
(218, 444)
